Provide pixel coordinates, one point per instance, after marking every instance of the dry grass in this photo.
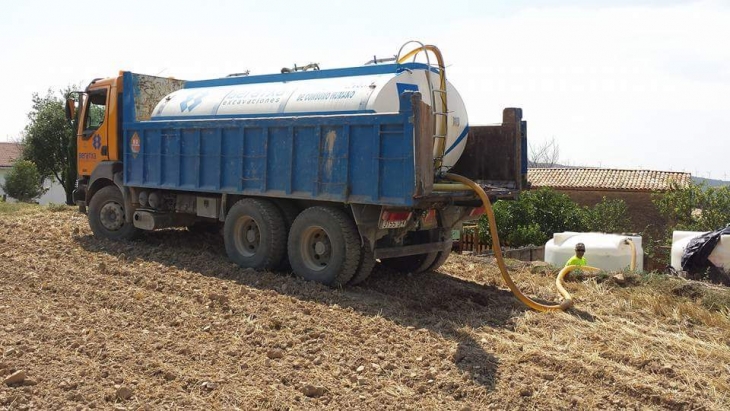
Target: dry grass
(169, 318)
(12, 208)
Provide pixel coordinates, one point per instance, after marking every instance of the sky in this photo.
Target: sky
(635, 84)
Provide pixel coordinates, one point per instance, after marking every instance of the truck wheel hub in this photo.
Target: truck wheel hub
(316, 248)
(112, 216)
(247, 237)
(251, 235)
(319, 248)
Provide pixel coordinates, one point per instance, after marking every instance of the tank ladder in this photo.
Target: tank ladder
(440, 128)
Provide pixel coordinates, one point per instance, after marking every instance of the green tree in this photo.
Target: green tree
(533, 218)
(691, 208)
(50, 141)
(24, 182)
(695, 207)
(608, 216)
(536, 215)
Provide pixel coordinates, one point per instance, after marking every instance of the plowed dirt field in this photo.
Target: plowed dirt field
(167, 322)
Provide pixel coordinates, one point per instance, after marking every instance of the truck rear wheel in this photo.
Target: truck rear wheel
(254, 234)
(290, 212)
(440, 259)
(324, 246)
(106, 215)
(416, 263)
(365, 268)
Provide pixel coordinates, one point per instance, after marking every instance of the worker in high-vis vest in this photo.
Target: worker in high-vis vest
(578, 258)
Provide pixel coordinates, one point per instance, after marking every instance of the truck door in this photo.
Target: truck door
(93, 138)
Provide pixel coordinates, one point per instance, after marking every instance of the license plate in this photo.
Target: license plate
(393, 224)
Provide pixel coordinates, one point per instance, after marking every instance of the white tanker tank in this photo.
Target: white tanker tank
(358, 90)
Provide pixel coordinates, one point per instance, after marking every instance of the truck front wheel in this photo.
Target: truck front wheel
(324, 246)
(106, 215)
(254, 234)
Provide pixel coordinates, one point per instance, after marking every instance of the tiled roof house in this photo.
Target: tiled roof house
(606, 179)
(588, 186)
(9, 152)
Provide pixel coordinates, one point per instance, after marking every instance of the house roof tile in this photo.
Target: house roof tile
(9, 152)
(606, 179)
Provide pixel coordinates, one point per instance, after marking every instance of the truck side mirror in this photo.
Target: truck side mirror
(70, 109)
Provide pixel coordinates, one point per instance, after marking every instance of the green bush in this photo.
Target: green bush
(24, 182)
(692, 208)
(528, 234)
(532, 218)
(608, 216)
(695, 208)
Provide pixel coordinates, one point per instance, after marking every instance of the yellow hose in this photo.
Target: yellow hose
(442, 128)
(632, 267)
(561, 275)
(451, 187)
(567, 299)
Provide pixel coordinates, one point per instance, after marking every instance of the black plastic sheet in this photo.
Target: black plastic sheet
(695, 258)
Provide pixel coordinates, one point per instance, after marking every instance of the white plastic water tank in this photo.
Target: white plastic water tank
(605, 251)
(720, 256)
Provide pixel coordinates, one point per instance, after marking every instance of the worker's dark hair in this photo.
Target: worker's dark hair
(580, 247)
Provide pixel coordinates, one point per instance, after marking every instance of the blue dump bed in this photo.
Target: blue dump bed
(369, 158)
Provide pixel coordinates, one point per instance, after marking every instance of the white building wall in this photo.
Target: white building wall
(3, 173)
(55, 193)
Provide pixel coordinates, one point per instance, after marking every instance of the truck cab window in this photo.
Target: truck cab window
(95, 111)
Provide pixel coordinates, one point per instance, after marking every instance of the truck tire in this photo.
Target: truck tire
(324, 246)
(254, 234)
(440, 259)
(289, 212)
(365, 267)
(106, 215)
(416, 263)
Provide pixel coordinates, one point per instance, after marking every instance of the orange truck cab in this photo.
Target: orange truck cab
(97, 139)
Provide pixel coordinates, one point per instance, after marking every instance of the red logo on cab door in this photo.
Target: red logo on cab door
(135, 144)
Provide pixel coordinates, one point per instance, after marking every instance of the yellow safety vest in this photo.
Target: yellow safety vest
(576, 261)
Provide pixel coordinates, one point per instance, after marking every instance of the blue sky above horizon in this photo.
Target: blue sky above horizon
(625, 84)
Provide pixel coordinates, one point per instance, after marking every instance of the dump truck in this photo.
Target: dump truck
(322, 172)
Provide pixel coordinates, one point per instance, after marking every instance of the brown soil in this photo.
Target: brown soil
(167, 322)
